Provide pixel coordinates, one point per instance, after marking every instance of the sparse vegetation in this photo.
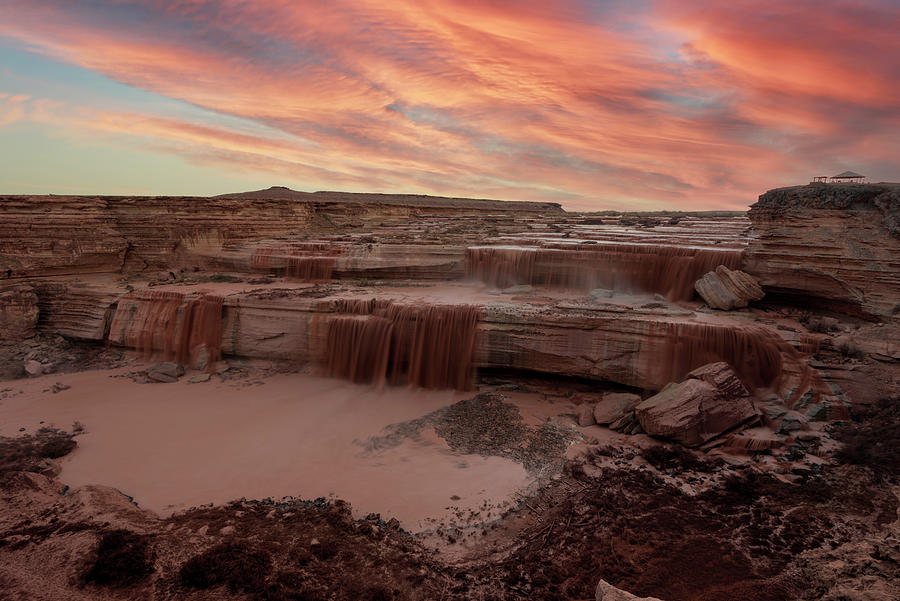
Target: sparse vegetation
(875, 441)
(124, 558)
(239, 566)
(675, 457)
(28, 453)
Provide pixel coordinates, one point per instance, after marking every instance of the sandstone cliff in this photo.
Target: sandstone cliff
(838, 245)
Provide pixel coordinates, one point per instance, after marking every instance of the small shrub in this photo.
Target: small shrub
(236, 565)
(673, 458)
(123, 559)
(875, 442)
(325, 550)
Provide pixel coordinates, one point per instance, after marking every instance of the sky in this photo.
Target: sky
(634, 105)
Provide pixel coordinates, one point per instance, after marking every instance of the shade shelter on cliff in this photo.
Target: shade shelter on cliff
(846, 177)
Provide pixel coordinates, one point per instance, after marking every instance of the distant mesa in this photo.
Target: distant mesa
(407, 200)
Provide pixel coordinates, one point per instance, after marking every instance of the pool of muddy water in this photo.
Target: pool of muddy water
(174, 446)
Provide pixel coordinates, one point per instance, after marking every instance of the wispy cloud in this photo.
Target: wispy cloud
(645, 104)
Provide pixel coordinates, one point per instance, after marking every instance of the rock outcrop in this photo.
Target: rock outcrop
(18, 312)
(58, 235)
(835, 244)
(728, 289)
(709, 402)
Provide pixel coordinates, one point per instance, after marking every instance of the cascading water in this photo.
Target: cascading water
(170, 323)
(667, 270)
(200, 331)
(429, 346)
(755, 353)
(358, 348)
(305, 261)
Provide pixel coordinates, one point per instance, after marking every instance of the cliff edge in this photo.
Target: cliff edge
(835, 245)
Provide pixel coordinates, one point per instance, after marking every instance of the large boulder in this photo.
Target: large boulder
(709, 402)
(18, 312)
(607, 592)
(728, 289)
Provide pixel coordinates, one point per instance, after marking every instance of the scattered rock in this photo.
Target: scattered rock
(624, 423)
(34, 368)
(199, 378)
(615, 405)
(227, 530)
(710, 401)
(726, 289)
(792, 423)
(585, 416)
(165, 372)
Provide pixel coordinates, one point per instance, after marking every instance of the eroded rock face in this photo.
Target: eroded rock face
(832, 243)
(710, 401)
(728, 289)
(18, 312)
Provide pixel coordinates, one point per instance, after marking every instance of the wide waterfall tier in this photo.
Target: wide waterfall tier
(631, 268)
(431, 346)
(174, 325)
(438, 337)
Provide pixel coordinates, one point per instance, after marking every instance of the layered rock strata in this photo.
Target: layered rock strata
(640, 348)
(836, 244)
(18, 312)
(64, 235)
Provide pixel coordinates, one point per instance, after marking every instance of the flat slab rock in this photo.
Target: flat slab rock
(709, 402)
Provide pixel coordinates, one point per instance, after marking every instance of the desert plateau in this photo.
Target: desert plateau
(279, 395)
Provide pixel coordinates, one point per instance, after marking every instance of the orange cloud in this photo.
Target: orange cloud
(672, 106)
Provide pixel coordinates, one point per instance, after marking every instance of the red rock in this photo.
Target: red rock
(709, 402)
(833, 244)
(18, 312)
(728, 289)
(585, 416)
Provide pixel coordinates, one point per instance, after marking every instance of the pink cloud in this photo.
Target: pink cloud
(676, 107)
